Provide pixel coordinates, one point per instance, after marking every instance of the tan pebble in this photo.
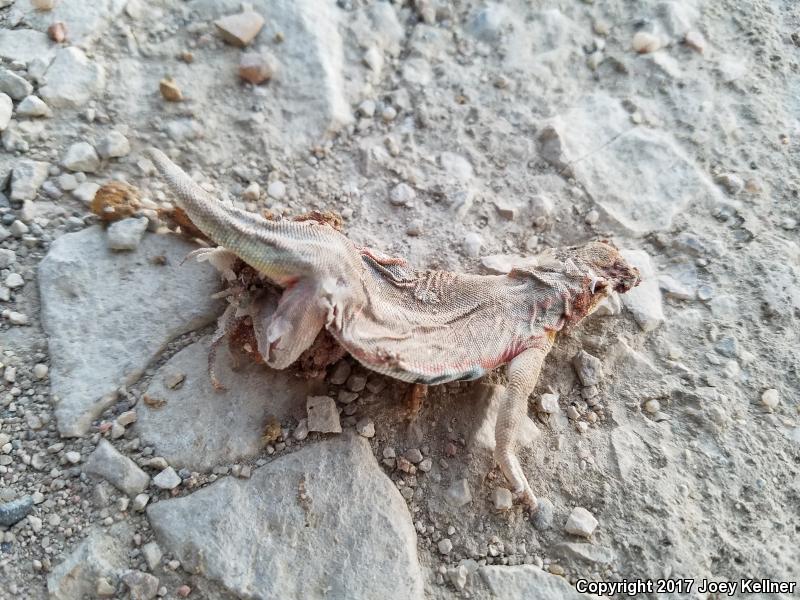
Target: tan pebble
(43, 4)
(170, 90)
(644, 42)
(186, 57)
(240, 29)
(57, 32)
(695, 41)
(256, 67)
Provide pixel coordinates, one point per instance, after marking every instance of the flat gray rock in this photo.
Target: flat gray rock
(119, 470)
(86, 21)
(638, 175)
(525, 581)
(198, 427)
(72, 79)
(644, 301)
(322, 522)
(101, 554)
(24, 45)
(108, 315)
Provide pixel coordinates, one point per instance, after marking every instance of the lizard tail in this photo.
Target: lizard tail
(194, 199)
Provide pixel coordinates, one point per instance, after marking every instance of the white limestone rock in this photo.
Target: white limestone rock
(644, 301)
(81, 156)
(100, 554)
(581, 522)
(114, 145)
(72, 79)
(25, 45)
(107, 315)
(314, 509)
(33, 106)
(27, 177)
(167, 479)
(14, 85)
(623, 166)
(525, 581)
(6, 107)
(227, 424)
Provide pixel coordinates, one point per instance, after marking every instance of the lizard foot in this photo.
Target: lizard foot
(520, 488)
(527, 498)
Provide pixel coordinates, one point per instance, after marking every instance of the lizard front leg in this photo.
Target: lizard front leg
(523, 372)
(283, 335)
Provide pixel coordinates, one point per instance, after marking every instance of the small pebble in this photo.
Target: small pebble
(140, 502)
(413, 455)
(170, 90)
(276, 190)
(502, 499)
(445, 546)
(652, 406)
(402, 194)
(240, 29)
(548, 403)
(459, 494)
(57, 32)
(168, 479)
(644, 42)
(257, 67)
(695, 41)
(588, 367)
(581, 522)
(365, 427)
(770, 398)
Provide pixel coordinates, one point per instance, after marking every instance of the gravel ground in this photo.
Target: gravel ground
(664, 434)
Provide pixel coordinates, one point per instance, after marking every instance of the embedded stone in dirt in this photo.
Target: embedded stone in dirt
(525, 581)
(581, 522)
(119, 470)
(240, 29)
(107, 315)
(100, 555)
(72, 79)
(644, 301)
(198, 427)
(622, 166)
(314, 509)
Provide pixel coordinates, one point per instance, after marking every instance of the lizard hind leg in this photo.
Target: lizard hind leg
(225, 326)
(415, 398)
(523, 372)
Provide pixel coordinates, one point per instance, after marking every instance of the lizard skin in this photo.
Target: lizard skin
(420, 326)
